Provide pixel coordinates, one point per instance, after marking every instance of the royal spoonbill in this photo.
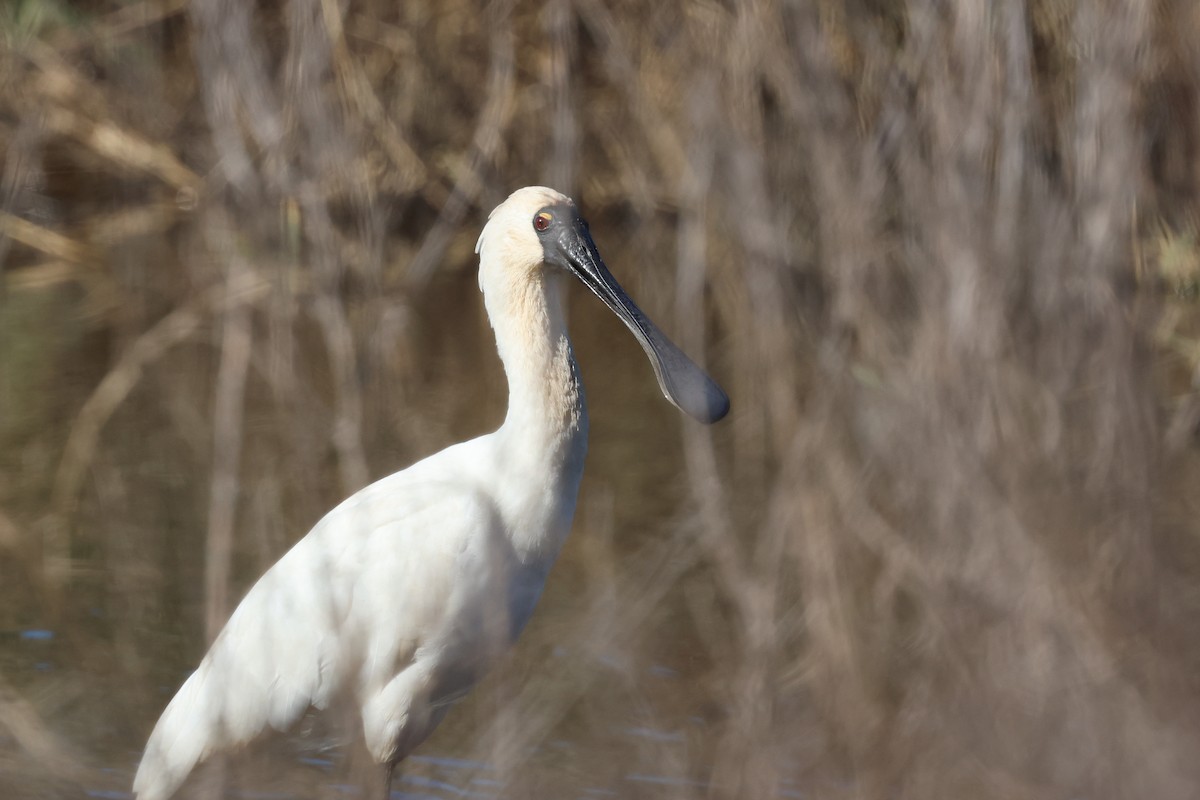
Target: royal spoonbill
(404, 595)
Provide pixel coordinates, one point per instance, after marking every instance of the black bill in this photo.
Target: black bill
(569, 245)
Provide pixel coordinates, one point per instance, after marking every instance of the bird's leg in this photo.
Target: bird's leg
(388, 769)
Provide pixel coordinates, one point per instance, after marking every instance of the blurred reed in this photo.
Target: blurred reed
(942, 255)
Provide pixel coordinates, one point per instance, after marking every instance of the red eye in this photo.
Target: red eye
(542, 220)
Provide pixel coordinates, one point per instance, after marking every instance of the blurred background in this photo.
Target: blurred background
(942, 255)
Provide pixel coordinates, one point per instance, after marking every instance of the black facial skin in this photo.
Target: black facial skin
(567, 244)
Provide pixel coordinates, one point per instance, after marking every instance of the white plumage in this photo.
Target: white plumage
(405, 594)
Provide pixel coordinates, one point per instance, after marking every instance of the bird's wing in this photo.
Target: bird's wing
(303, 629)
(273, 659)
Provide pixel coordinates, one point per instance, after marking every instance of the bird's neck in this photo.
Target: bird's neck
(542, 443)
(547, 417)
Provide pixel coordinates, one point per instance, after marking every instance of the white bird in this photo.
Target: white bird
(406, 593)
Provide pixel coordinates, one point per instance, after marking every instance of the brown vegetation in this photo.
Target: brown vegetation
(943, 256)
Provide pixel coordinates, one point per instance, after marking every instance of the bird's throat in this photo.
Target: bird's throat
(543, 440)
(546, 408)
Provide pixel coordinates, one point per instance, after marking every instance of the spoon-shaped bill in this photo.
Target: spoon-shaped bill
(681, 381)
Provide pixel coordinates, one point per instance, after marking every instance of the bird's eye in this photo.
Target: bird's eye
(542, 220)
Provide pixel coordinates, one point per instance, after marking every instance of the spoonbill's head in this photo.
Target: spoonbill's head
(538, 228)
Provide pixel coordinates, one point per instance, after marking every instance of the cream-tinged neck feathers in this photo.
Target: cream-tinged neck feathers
(525, 304)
